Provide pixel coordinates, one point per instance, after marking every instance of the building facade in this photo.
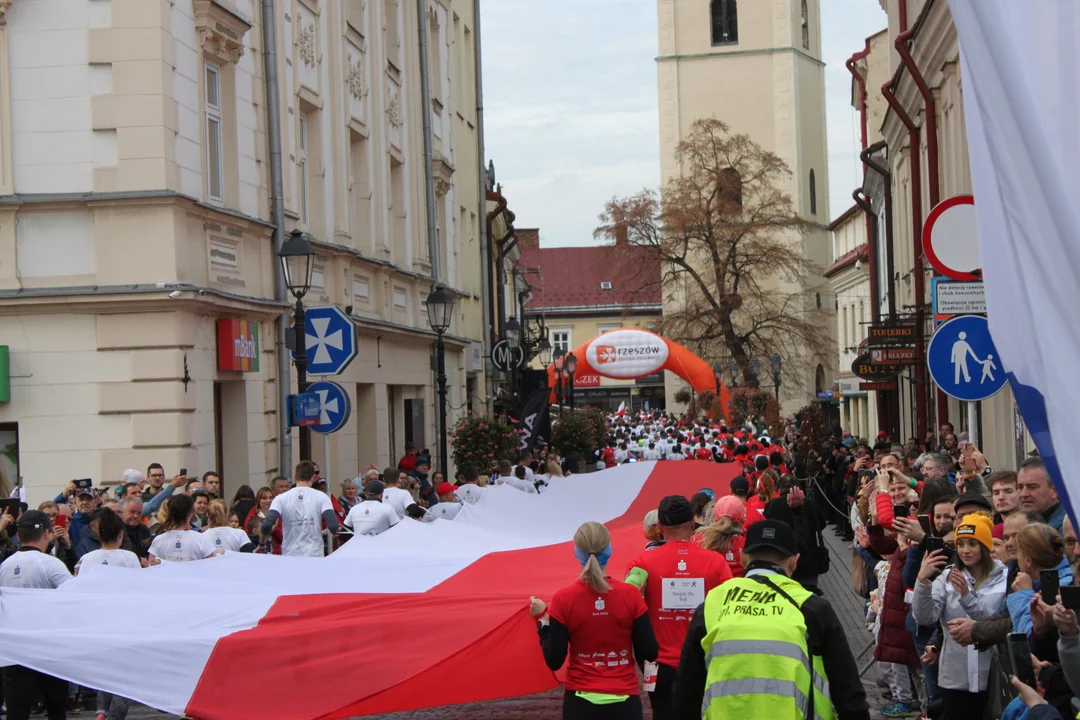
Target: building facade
(756, 66)
(137, 271)
(916, 136)
(849, 275)
(578, 293)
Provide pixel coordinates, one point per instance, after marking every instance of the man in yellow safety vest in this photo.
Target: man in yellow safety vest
(762, 646)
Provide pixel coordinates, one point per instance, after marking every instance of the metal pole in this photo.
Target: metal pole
(571, 391)
(482, 199)
(326, 463)
(441, 353)
(425, 113)
(277, 208)
(301, 372)
(973, 423)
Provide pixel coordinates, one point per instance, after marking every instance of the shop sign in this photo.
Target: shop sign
(893, 355)
(888, 333)
(585, 381)
(882, 385)
(238, 345)
(865, 368)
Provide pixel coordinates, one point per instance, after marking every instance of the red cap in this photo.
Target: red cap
(445, 488)
(999, 531)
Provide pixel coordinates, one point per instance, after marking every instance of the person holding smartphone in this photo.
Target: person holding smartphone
(972, 588)
(1040, 559)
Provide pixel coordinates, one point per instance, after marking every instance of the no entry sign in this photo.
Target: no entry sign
(950, 239)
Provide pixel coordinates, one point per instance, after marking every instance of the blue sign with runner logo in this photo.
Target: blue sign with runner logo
(963, 360)
(330, 340)
(335, 405)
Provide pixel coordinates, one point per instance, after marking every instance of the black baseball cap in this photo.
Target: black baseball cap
(974, 498)
(674, 510)
(33, 520)
(374, 488)
(740, 485)
(770, 535)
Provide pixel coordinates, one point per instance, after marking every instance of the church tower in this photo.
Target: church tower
(756, 65)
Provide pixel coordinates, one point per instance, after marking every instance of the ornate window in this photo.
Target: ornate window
(805, 26)
(725, 22)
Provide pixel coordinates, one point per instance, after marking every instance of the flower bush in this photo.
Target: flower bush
(577, 433)
(483, 441)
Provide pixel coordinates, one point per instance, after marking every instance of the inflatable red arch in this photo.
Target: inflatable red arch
(629, 353)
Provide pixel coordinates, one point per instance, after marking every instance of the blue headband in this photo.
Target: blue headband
(602, 557)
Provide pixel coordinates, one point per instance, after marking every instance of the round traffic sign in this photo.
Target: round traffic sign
(963, 360)
(336, 406)
(950, 239)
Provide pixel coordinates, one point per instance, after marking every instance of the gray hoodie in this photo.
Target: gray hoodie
(959, 667)
(1069, 653)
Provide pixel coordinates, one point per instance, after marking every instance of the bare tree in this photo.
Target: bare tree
(730, 246)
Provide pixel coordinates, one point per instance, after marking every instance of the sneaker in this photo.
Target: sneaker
(897, 709)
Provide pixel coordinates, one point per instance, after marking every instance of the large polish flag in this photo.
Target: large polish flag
(361, 632)
(1020, 62)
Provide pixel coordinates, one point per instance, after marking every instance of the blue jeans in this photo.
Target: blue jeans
(929, 671)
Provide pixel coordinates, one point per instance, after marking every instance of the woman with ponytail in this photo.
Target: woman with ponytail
(220, 535)
(766, 491)
(603, 625)
(726, 534)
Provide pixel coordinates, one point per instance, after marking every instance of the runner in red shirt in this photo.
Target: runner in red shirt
(604, 625)
(702, 452)
(727, 538)
(675, 579)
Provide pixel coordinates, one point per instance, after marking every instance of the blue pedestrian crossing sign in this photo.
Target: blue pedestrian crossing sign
(335, 404)
(963, 360)
(330, 340)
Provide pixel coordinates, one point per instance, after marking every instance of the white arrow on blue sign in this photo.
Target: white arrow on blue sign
(330, 340)
(336, 407)
(963, 360)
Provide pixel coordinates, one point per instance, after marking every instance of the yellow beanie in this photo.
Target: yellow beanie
(978, 527)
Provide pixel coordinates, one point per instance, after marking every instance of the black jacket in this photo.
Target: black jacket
(826, 639)
(807, 522)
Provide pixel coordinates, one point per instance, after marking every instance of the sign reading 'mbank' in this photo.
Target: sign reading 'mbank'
(238, 345)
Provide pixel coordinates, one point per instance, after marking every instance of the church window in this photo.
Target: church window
(805, 26)
(725, 22)
(730, 190)
(813, 194)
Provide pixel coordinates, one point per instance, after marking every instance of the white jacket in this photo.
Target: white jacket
(959, 667)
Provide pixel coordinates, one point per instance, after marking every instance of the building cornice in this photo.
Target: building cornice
(640, 309)
(759, 51)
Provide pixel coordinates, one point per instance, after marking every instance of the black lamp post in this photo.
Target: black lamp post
(297, 262)
(777, 364)
(513, 338)
(544, 349)
(440, 310)
(571, 367)
(734, 369)
(718, 373)
(559, 357)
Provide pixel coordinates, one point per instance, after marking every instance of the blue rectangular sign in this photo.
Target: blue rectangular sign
(304, 410)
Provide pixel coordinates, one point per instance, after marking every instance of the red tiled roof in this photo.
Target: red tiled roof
(847, 260)
(571, 276)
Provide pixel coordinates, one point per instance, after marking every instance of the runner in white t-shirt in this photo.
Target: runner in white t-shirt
(32, 566)
(302, 510)
(176, 541)
(220, 536)
(469, 492)
(448, 506)
(110, 530)
(518, 481)
(372, 516)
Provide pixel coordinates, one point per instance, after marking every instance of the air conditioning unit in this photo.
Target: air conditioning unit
(605, 286)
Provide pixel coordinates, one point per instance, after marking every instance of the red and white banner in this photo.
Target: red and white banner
(277, 638)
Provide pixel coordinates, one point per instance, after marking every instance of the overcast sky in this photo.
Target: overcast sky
(570, 105)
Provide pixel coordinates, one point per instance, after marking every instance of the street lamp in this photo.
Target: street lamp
(734, 369)
(545, 352)
(571, 367)
(755, 368)
(777, 364)
(513, 332)
(718, 373)
(297, 263)
(560, 354)
(440, 310)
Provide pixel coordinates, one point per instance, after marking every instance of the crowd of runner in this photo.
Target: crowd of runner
(966, 572)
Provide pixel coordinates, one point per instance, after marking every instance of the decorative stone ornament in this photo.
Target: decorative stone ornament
(393, 112)
(354, 80)
(220, 29)
(305, 44)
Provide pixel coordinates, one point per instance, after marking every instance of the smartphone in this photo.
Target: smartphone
(183, 471)
(1048, 586)
(10, 505)
(1070, 596)
(60, 521)
(84, 483)
(867, 473)
(927, 526)
(934, 543)
(901, 511)
(1020, 653)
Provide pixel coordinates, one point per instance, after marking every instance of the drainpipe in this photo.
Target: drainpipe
(851, 66)
(485, 249)
(429, 167)
(917, 267)
(890, 265)
(277, 208)
(871, 225)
